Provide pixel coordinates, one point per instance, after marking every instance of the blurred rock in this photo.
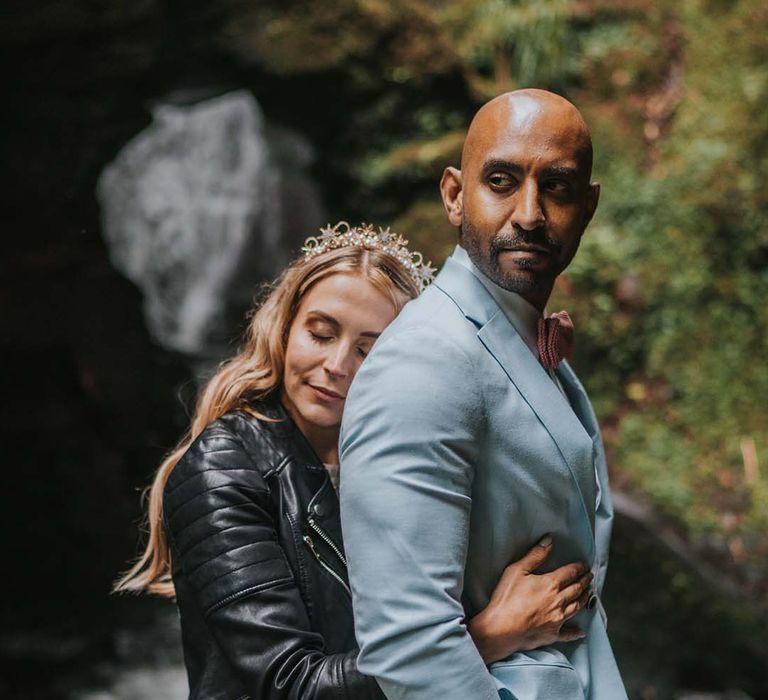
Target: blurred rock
(199, 208)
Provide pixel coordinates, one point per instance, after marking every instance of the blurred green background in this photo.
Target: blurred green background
(669, 291)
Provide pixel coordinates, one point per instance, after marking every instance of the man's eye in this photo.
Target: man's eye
(500, 180)
(558, 186)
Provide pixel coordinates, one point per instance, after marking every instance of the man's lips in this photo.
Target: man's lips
(528, 257)
(327, 394)
(538, 250)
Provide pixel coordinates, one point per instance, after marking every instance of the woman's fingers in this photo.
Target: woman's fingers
(568, 574)
(537, 554)
(570, 609)
(577, 588)
(569, 634)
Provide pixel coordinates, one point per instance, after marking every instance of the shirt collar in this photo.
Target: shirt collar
(520, 313)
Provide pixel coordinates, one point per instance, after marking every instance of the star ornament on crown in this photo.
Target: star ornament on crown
(343, 235)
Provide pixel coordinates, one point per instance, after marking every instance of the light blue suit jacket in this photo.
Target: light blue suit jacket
(458, 453)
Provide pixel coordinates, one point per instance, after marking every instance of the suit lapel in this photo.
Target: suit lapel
(577, 398)
(546, 401)
(538, 390)
(604, 514)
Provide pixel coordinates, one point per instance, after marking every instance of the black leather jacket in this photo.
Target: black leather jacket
(258, 564)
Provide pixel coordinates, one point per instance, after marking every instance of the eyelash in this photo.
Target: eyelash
(322, 339)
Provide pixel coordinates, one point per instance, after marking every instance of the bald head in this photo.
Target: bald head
(523, 195)
(551, 116)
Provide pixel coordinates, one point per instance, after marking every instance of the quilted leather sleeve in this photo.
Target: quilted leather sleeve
(220, 522)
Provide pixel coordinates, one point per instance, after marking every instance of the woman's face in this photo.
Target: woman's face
(335, 327)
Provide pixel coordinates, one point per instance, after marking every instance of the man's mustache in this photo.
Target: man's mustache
(522, 239)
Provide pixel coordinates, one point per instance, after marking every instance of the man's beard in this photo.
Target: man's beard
(520, 278)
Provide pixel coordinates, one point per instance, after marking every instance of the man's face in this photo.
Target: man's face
(525, 198)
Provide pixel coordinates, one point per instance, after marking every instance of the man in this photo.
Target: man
(464, 442)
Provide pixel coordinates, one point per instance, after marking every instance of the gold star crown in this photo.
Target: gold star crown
(365, 236)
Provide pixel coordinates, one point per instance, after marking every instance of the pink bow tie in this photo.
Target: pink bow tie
(555, 340)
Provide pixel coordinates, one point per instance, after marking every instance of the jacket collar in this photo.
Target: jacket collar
(283, 435)
(289, 442)
(521, 314)
(503, 342)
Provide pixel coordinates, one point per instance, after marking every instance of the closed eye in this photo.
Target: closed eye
(320, 338)
(363, 350)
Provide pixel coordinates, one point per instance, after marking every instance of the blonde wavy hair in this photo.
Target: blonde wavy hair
(254, 374)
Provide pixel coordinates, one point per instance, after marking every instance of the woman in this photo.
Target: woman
(243, 515)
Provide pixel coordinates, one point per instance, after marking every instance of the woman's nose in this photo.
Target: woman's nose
(338, 361)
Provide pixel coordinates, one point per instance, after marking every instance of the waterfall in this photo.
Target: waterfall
(199, 208)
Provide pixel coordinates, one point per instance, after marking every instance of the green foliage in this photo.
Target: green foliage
(669, 288)
(293, 37)
(661, 460)
(512, 43)
(413, 160)
(684, 217)
(428, 229)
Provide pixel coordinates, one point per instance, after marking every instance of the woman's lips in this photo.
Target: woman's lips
(326, 394)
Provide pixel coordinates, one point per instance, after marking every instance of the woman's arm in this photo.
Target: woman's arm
(529, 610)
(218, 516)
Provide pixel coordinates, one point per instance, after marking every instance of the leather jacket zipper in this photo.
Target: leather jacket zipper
(313, 524)
(308, 541)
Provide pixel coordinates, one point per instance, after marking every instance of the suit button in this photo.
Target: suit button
(592, 602)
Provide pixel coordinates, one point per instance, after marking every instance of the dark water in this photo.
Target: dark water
(674, 637)
(130, 651)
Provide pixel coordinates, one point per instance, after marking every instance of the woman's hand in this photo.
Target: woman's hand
(528, 610)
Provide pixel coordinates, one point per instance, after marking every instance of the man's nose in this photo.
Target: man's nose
(528, 214)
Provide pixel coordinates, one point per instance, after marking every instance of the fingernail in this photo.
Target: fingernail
(545, 541)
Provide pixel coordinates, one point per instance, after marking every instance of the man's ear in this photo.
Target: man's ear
(593, 197)
(451, 192)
